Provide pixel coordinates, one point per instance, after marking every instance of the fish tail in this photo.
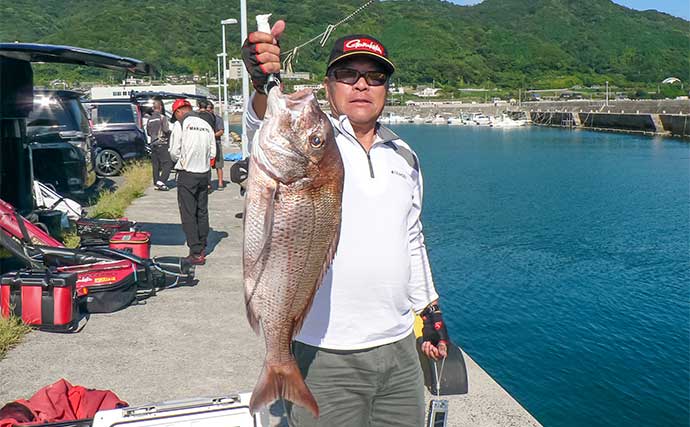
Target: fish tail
(282, 380)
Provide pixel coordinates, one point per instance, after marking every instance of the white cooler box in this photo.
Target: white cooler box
(226, 411)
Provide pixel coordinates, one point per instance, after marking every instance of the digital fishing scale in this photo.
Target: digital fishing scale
(438, 408)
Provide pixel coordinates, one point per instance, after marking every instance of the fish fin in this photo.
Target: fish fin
(282, 380)
(250, 304)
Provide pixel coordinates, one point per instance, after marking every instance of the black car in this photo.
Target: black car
(61, 142)
(118, 129)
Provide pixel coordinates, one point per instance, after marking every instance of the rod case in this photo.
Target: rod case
(43, 299)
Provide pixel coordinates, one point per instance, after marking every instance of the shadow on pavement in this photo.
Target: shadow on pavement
(172, 235)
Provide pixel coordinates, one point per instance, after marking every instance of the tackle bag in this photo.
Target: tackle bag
(97, 232)
(43, 299)
(136, 242)
(104, 287)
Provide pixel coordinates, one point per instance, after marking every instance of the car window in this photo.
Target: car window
(78, 114)
(48, 115)
(113, 113)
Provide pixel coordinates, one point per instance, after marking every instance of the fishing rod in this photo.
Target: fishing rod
(264, 26)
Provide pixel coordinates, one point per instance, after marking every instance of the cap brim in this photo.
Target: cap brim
(383, 60)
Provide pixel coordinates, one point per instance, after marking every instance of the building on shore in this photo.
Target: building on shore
(124, 91)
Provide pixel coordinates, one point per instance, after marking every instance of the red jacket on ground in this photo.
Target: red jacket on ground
(60, 401)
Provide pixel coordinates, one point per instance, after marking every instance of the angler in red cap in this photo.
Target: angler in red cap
(356, 348)
(192, 146)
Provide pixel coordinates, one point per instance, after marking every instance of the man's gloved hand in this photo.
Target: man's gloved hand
(261, 55)
(239, 171)
(434, 333)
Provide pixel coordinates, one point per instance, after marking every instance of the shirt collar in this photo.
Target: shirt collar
(383, 134)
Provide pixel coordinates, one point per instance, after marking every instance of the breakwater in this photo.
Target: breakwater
(665, 117)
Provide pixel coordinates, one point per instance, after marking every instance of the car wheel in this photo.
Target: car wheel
(108, 163)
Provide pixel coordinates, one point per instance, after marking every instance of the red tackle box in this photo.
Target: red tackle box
(136, 242)
(43, 299)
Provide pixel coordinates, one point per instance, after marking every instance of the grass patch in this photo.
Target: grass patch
(12, 331)
(112, 204)
(71, 239)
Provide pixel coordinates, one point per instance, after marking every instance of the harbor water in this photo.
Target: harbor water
(562, 259)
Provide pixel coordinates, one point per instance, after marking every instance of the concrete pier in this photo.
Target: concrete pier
(193, 341)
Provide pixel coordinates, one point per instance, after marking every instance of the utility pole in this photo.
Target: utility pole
(607, 93)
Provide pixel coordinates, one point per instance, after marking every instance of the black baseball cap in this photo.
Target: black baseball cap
(360, 44)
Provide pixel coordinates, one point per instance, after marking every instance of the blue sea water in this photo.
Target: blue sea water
(563, 263)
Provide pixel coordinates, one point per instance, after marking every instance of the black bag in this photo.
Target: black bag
(97, 232)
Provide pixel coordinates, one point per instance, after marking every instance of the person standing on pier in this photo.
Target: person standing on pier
(356, 349)
(192, 146)
(220, 130)
(158, 129)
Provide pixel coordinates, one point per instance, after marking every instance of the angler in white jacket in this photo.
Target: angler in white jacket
(356, 348)
(192, 146)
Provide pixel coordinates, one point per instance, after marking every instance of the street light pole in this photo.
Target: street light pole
(245, 79)
(220, 100)
(226, 134)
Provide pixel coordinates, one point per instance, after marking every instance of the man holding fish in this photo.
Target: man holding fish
(335, 263)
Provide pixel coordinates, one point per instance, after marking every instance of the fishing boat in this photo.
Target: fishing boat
(479, 119)
(506, 122)
(439, 120)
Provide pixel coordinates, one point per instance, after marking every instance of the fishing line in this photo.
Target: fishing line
(438, 376)
(291, 55)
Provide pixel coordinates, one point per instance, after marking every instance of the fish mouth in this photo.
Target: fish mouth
(295, 102)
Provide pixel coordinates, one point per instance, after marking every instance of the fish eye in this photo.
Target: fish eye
(316, 141)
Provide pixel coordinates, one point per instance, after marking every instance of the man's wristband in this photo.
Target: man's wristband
(431, 309)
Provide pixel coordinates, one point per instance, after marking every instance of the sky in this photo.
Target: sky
(679, 8)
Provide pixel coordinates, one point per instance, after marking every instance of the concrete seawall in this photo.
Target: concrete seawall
(677, 125)
(662, 117)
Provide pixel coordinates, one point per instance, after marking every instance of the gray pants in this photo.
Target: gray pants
(380, 386)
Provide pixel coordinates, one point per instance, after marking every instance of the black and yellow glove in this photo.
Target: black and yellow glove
(434, 329)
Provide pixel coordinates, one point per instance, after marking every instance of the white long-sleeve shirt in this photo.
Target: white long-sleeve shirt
(192, 144)
(380, 275)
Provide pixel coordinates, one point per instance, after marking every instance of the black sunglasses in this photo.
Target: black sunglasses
(350, 76)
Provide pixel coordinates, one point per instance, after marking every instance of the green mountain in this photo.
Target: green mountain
(509, 43)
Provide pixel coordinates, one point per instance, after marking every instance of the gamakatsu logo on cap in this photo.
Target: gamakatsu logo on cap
(363, 44)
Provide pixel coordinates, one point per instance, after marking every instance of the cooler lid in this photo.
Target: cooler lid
(136, 237)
